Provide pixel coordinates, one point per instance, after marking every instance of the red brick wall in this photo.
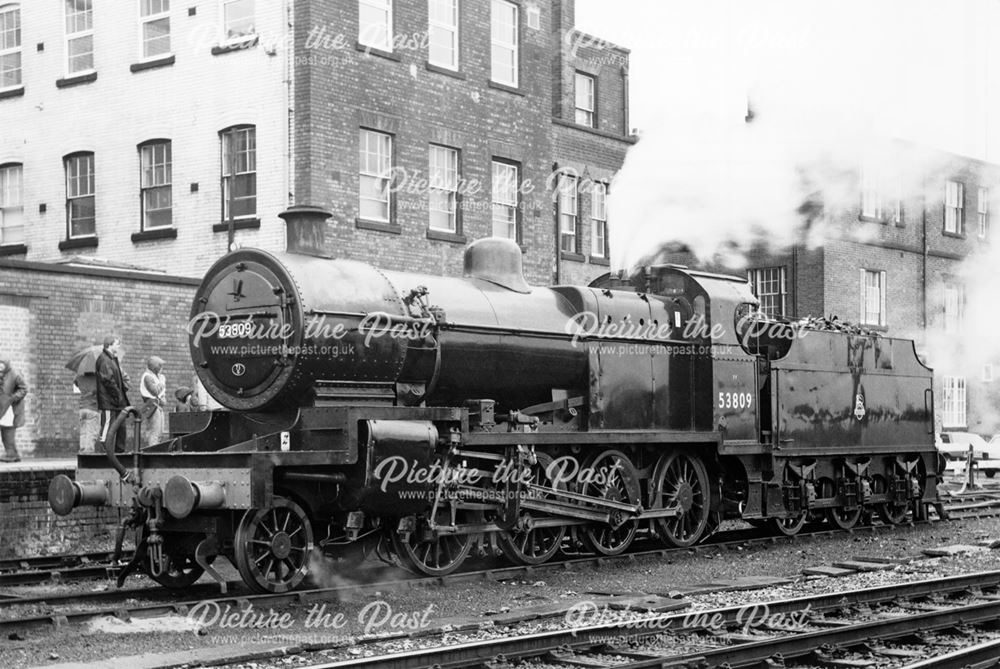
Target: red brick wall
(340, 90)
(69, 308)
(28, 527)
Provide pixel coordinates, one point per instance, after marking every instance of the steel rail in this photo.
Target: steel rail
(981, 656)
(729, 538)
(49, 562)
(41, 568)
(322, 594)
(480, 652)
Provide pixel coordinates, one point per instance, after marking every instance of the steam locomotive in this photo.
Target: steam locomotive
(428, 416)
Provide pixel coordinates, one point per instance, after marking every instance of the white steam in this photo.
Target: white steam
(827, 82)
(830, 84)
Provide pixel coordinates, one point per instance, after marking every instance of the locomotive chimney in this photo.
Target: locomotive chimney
(305, 229)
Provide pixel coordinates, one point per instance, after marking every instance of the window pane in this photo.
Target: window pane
(10, 28)
(156, 37)
(374, 27)
(153, 7)
(505, 192)
(443, 33)
(239, 147)
(768, 284)
(78, 16)
(81, 53)
(10, 69)
(503, 32)
(82, 216)
(11, 210)
(239, 18)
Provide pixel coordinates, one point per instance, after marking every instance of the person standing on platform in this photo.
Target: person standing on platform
(153, 388)
(111, 390)
(90, 417)
(12, 392)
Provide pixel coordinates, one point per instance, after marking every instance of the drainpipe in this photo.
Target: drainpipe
(555, 218)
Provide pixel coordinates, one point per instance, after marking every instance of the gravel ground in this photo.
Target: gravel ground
(430, 606)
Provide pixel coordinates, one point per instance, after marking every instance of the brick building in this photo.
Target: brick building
(132, 139)
(895, 260)
(421, 124)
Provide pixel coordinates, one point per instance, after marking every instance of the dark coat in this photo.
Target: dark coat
(110, 384)
(12, 392)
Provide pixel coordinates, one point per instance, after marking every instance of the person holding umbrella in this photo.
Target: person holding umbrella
(84, 364)
(12, 392)
(111, 389)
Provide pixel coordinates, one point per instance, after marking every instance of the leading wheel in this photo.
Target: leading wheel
(681, 481)
(614, 477)
(181, 568)
(433, 552)
(524, 544)
(272, 546)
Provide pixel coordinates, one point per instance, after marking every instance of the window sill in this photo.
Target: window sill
(956, 235)
(12, 93)
(504, 87)
(630, 139)
(78, 243)
(375, 51)
(875, 328)
(150, 235)
(13, 249)
(599, 260)
(152, 64)
(377, 226)
(440, 69)
(575, 257)
(236, 45)
(238, 224)
(443, 236)
(76, 80)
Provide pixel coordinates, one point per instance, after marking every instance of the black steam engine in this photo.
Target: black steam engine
(426, 417)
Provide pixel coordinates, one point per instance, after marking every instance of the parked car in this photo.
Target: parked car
(955, 447)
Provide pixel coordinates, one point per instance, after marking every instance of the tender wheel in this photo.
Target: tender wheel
(843, 518)
(838, 517)
(789, 526)
(890, 514)
(681, 480)
(272, 546)
(615, 479)
(423, 553)
(534, 546)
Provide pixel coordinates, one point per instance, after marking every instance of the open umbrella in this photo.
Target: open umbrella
(85, 361)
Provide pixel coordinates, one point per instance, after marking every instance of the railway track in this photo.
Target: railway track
(876, 627)
(69, 568)
(77, 608)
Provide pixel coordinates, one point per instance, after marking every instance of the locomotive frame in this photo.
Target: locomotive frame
(674, 407)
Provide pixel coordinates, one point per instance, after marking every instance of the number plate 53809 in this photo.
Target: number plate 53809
(735, 400)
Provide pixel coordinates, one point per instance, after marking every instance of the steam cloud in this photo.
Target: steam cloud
(830, 86)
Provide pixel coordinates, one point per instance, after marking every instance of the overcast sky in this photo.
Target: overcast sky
(916, 69)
